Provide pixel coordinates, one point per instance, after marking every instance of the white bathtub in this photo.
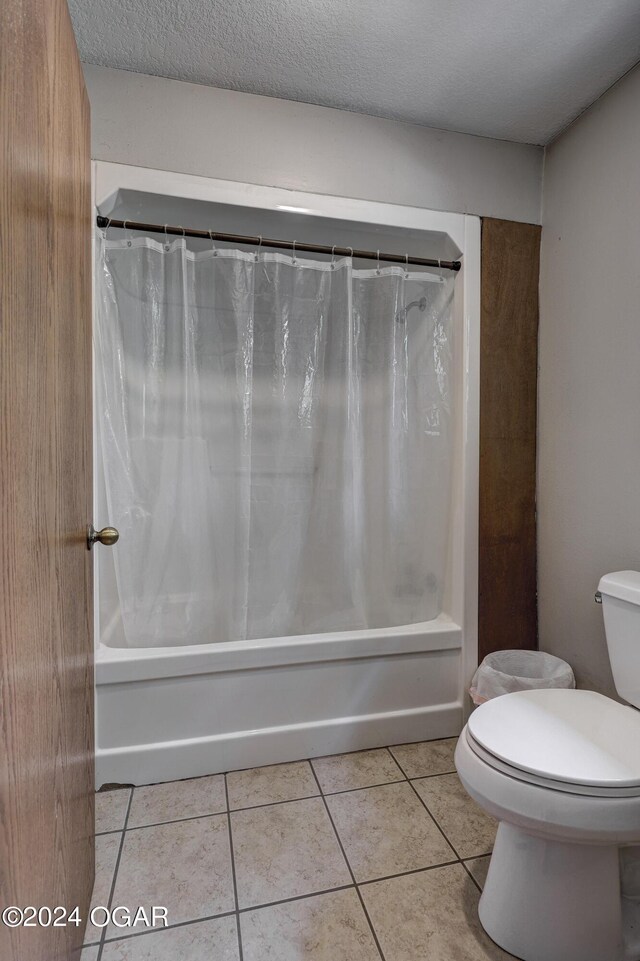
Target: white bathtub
(187, 711)
(179, 712)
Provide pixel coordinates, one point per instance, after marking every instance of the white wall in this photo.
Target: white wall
(589, 386)
(184, 127)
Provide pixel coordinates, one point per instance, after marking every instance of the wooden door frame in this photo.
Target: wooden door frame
(507, 571)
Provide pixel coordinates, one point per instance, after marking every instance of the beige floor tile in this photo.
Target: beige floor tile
(177, 799)
(470, 831)
(111, 809)
(429, 916)
(479, 868)
(87, 954)
(267, 785)
(215, 940)
(107, 847)
(184, 866)
(285, 851)
(328, 927)
(427, 757)
(386, 830)
(344, 772)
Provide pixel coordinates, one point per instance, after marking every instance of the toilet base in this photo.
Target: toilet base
(547, 900)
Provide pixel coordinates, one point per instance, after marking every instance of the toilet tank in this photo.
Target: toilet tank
(621, 609)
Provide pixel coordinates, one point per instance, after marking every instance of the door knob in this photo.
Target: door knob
(107, 536)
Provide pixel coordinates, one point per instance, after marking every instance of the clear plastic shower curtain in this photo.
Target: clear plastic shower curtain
(276, 443)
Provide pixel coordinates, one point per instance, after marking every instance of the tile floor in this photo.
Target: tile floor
(373, 856)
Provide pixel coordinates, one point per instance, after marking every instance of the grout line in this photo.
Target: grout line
(239, 937)
(423, 803)
(178, 924)
(270, 904)
(267, 804)
(404, 874)
(353, 878)
(424, 777)
(270, 804)
(462, 860)
(296, 897)
(169, 927)
(233, 871)
(471, 875)
(345, 887)
(194, 817)
(103, 933)
(365, 787)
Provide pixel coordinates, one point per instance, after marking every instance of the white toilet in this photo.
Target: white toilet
(560, 770)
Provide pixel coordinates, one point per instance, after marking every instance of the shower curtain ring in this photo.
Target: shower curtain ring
(166, 238)
(257, 254)
(213, 246)
(333, 257)
(350, 249)
(378, 267)
(294, 252)
(406, 266)
(124, 227)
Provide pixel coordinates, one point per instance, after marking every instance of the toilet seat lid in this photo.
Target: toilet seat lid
(578, 737)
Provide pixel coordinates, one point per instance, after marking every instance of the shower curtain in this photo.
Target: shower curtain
(276, 442)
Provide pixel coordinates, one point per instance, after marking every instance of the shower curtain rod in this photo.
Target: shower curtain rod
(293, 245)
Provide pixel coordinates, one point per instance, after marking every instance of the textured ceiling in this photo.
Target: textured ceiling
(513, 69)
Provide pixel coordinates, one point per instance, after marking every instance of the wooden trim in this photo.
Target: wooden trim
(507, 602)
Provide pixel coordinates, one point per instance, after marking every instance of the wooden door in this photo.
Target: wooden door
(46, 661)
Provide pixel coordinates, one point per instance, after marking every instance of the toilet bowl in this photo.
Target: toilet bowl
(560, 771)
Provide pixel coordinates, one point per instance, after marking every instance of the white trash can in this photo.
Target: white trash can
(506, 671)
